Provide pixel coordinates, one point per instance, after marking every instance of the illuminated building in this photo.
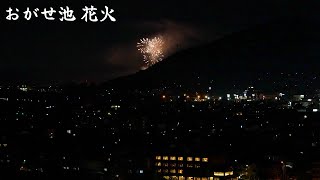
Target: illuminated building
(189, 168)
(298, 97)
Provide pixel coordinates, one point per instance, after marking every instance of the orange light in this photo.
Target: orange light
(189, 159)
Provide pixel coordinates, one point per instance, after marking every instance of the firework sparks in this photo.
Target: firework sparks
(151, 50)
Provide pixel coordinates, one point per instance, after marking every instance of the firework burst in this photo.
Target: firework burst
(151, 50)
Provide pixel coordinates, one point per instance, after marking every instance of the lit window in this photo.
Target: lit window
(5, 145)
(165, 158)
(197, 159)
(173, 165)
(189, 159)
(180, 171)
(172, 158)
(180, 165)
(165, 164)
(172, 171)
(204, 159)
(180, 158)
(159, 171)
(158, 163)
(165, 171)
(218, 173)
(197, 166)
(189, 165)
(158, 157)
(229, 173)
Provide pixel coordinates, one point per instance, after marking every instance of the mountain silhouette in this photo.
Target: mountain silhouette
(281, 46)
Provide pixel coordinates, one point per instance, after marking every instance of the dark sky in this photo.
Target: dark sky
(43, 51)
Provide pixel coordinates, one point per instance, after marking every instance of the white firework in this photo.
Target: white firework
(151, 50)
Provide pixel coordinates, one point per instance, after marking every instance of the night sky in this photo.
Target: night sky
(46, 51)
